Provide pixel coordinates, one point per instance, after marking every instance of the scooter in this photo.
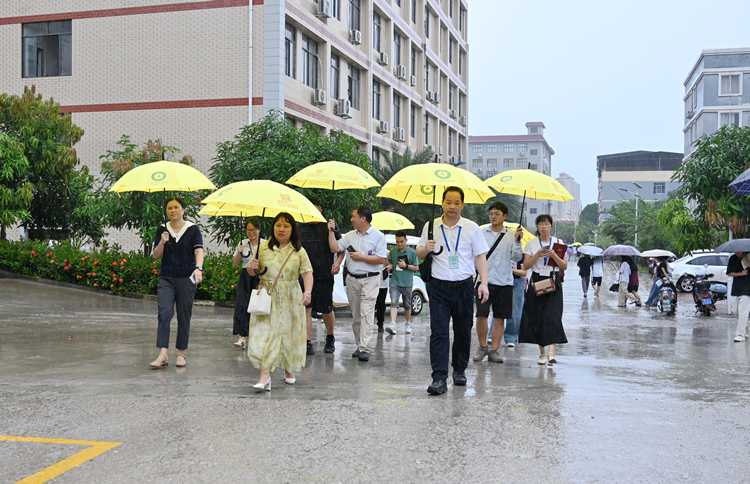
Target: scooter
(667, 302)
(707, 294)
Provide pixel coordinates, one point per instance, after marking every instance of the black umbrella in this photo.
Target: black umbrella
(736, 245)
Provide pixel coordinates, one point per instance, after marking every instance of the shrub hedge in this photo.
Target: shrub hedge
(109, 268)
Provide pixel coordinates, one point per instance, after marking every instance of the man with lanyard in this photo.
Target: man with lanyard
(314, 237)
(461, 247)
(502, 250)
(366, 253)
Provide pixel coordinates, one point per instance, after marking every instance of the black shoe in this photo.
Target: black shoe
(330, 346)
(459, 379)
(437, 387)
(316, 315)
(364, 356)
(310, 349)
(380, 328)
(356, 354)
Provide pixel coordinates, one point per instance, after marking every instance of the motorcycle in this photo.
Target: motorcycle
(667, 302)
(706, 294)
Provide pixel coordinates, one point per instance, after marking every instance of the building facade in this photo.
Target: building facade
(568, 211)
(717, 93)
(646, 174)
(193, 73)
(489, 155)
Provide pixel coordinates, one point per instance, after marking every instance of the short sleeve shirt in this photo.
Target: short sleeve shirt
(402, 277)
(372, 242)
(740, 284)
(178, 258)
(470, 244)
(532, 247)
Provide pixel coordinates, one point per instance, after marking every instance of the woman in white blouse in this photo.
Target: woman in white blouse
(541, 322)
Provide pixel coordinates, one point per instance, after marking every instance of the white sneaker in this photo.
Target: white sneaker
(391, 328)
(739, 338)
(407, 328)
(511, 345)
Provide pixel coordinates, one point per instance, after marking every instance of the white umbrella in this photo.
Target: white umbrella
(657, 253)
(621, 250)
(590, 250)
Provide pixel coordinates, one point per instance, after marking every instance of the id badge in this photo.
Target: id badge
(453, 261)
(545, 272)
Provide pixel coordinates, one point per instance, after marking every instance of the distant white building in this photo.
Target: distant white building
(570, 210)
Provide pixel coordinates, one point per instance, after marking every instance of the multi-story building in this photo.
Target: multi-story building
(489, 155)
(717, 93)
(646, 174)
(570, 210)
(192, 73)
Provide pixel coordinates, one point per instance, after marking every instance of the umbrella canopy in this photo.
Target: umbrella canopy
(721, 247)
(577, 244)
(513, 227)
(424, 183)
(741, 184)
(657, 253)
(621, 250)
(333, 175)
(264, 198)
(590, 243)
(736, 245)
(529, 183)
(161, 176)
(590, 250)
(390, 221)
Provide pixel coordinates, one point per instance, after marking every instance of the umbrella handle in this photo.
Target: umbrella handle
(438, 252)
(265, 269)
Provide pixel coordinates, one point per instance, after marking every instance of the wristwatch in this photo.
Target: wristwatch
(200, 268)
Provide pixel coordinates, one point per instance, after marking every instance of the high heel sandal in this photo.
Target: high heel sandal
(264, 386)
(240, 342)
(160, 361)
(552, 360)
(290, 381)
(542, 359)
(182, 363)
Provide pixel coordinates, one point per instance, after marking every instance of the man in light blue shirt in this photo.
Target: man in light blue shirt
(366, 252)
(507, 247)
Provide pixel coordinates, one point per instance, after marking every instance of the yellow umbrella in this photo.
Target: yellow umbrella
(390, 221)
(513, 227)
(577, 244)
(162, 176)
(529, 183)
(424, 183)
(333, 175)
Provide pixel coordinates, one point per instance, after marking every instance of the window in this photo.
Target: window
(534, 166)
(699, 261)
(375, 156)
(461, 18)
(289, 50)
(460, 105)
(353, 79)
(450, 97)
(460, 61)
(450, 8)
(492, 163)
(491, 148)
(477, 163)
(660, 187)
(413, 61)
(729, 118)
(450, 142)
(376, 31)
(534, 130)
(508, 162)
(532, 211)
(47, 49)
(413, 11)
(695, 98)
(354, 15)
(335, 63)
(477, 148)
(450, 50)
(426, 23)
(309, 62)
(413, 120)
(396, 49)
(522, 163)
(336, 9)
(426, 76)
(522, 147)
(534, 152)
(426, 129)
(398, 2)
(509, 148)
(729, 85)
(375, 99)
(396, 110)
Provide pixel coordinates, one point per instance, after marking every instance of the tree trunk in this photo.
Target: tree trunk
(3, 235)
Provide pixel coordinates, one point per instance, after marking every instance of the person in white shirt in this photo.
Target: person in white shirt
(541, 323)
(461, 250)
(597, 274)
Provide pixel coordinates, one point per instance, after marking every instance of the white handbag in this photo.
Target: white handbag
(260, 298)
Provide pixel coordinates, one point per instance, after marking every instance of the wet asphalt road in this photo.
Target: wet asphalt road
(635, 397)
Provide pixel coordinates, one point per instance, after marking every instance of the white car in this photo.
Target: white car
(418, 291)
(684, 270)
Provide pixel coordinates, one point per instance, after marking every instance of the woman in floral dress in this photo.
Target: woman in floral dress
(279, 339)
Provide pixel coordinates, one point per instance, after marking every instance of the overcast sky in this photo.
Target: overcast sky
(604, 77)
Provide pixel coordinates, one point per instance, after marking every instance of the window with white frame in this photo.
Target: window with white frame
(450, 142)
(532, 211)
(375, 100)
(413, 120)
(726, 119)
(491, 148)
(354, 12)
(534, 166)
(460, 61)
(508, 162)
(729, 85)
(533, 152)
(309, 62)
(477, 163)
(522, 163)
(376, 31)
(426, 129)
(533, 129)
(396, 110)
(451, 44)
(396, 49)
(522, 147)
(289, 51)
(426, 23)
(413, 66)
(492, 163)
(695, 98)
(477, 148)
(509, 148)
(660, 187)
(413, 11)
(335, 63)
(47, 49)
(353, 79)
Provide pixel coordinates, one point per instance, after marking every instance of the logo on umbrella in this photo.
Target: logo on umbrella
(442, 174)
(399, 221)
(506, 178)
(427, 189)
(158, 176)
(364, 175)
(224, 191)
(285, 197)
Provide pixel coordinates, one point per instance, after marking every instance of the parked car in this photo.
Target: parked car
(418, 292)
(684, 270)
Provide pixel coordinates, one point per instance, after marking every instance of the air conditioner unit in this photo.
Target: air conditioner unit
(382, 127)
(343, 108)
(413, 80)
(430, 96)
(320, 97)
(436, 97)
(453, 160)
(453, 114)
(324, 9)
(401, 72)
(399, 134)
(355, 37)
(690, 114)
(383, 59)
(441, 151)
(463, 120)
(430, 148)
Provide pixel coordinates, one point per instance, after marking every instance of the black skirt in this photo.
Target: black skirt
(241, 318)
(541, 321)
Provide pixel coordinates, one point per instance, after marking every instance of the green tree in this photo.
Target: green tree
(273, 149)
(652, 233)
(48, 137)
(682, 223)
(139, 211)
(590, 214)
(718, 159)
(16, 191)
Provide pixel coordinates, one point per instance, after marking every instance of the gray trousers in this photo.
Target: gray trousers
(171, 292)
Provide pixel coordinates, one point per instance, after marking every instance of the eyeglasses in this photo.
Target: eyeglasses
(495, 214)
(252, 229)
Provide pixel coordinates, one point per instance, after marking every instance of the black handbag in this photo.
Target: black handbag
(425, 268)
(614, 287)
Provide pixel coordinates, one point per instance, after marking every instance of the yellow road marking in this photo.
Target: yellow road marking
(95, 448)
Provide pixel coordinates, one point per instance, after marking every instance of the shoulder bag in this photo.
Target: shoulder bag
(260, 300)
(544, 286)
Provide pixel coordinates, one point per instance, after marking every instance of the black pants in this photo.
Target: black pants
(245, 286)
(446, 304)
(380, 306)
(171, 292)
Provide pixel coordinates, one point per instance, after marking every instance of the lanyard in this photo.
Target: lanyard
(447, 245)
(542, 247)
